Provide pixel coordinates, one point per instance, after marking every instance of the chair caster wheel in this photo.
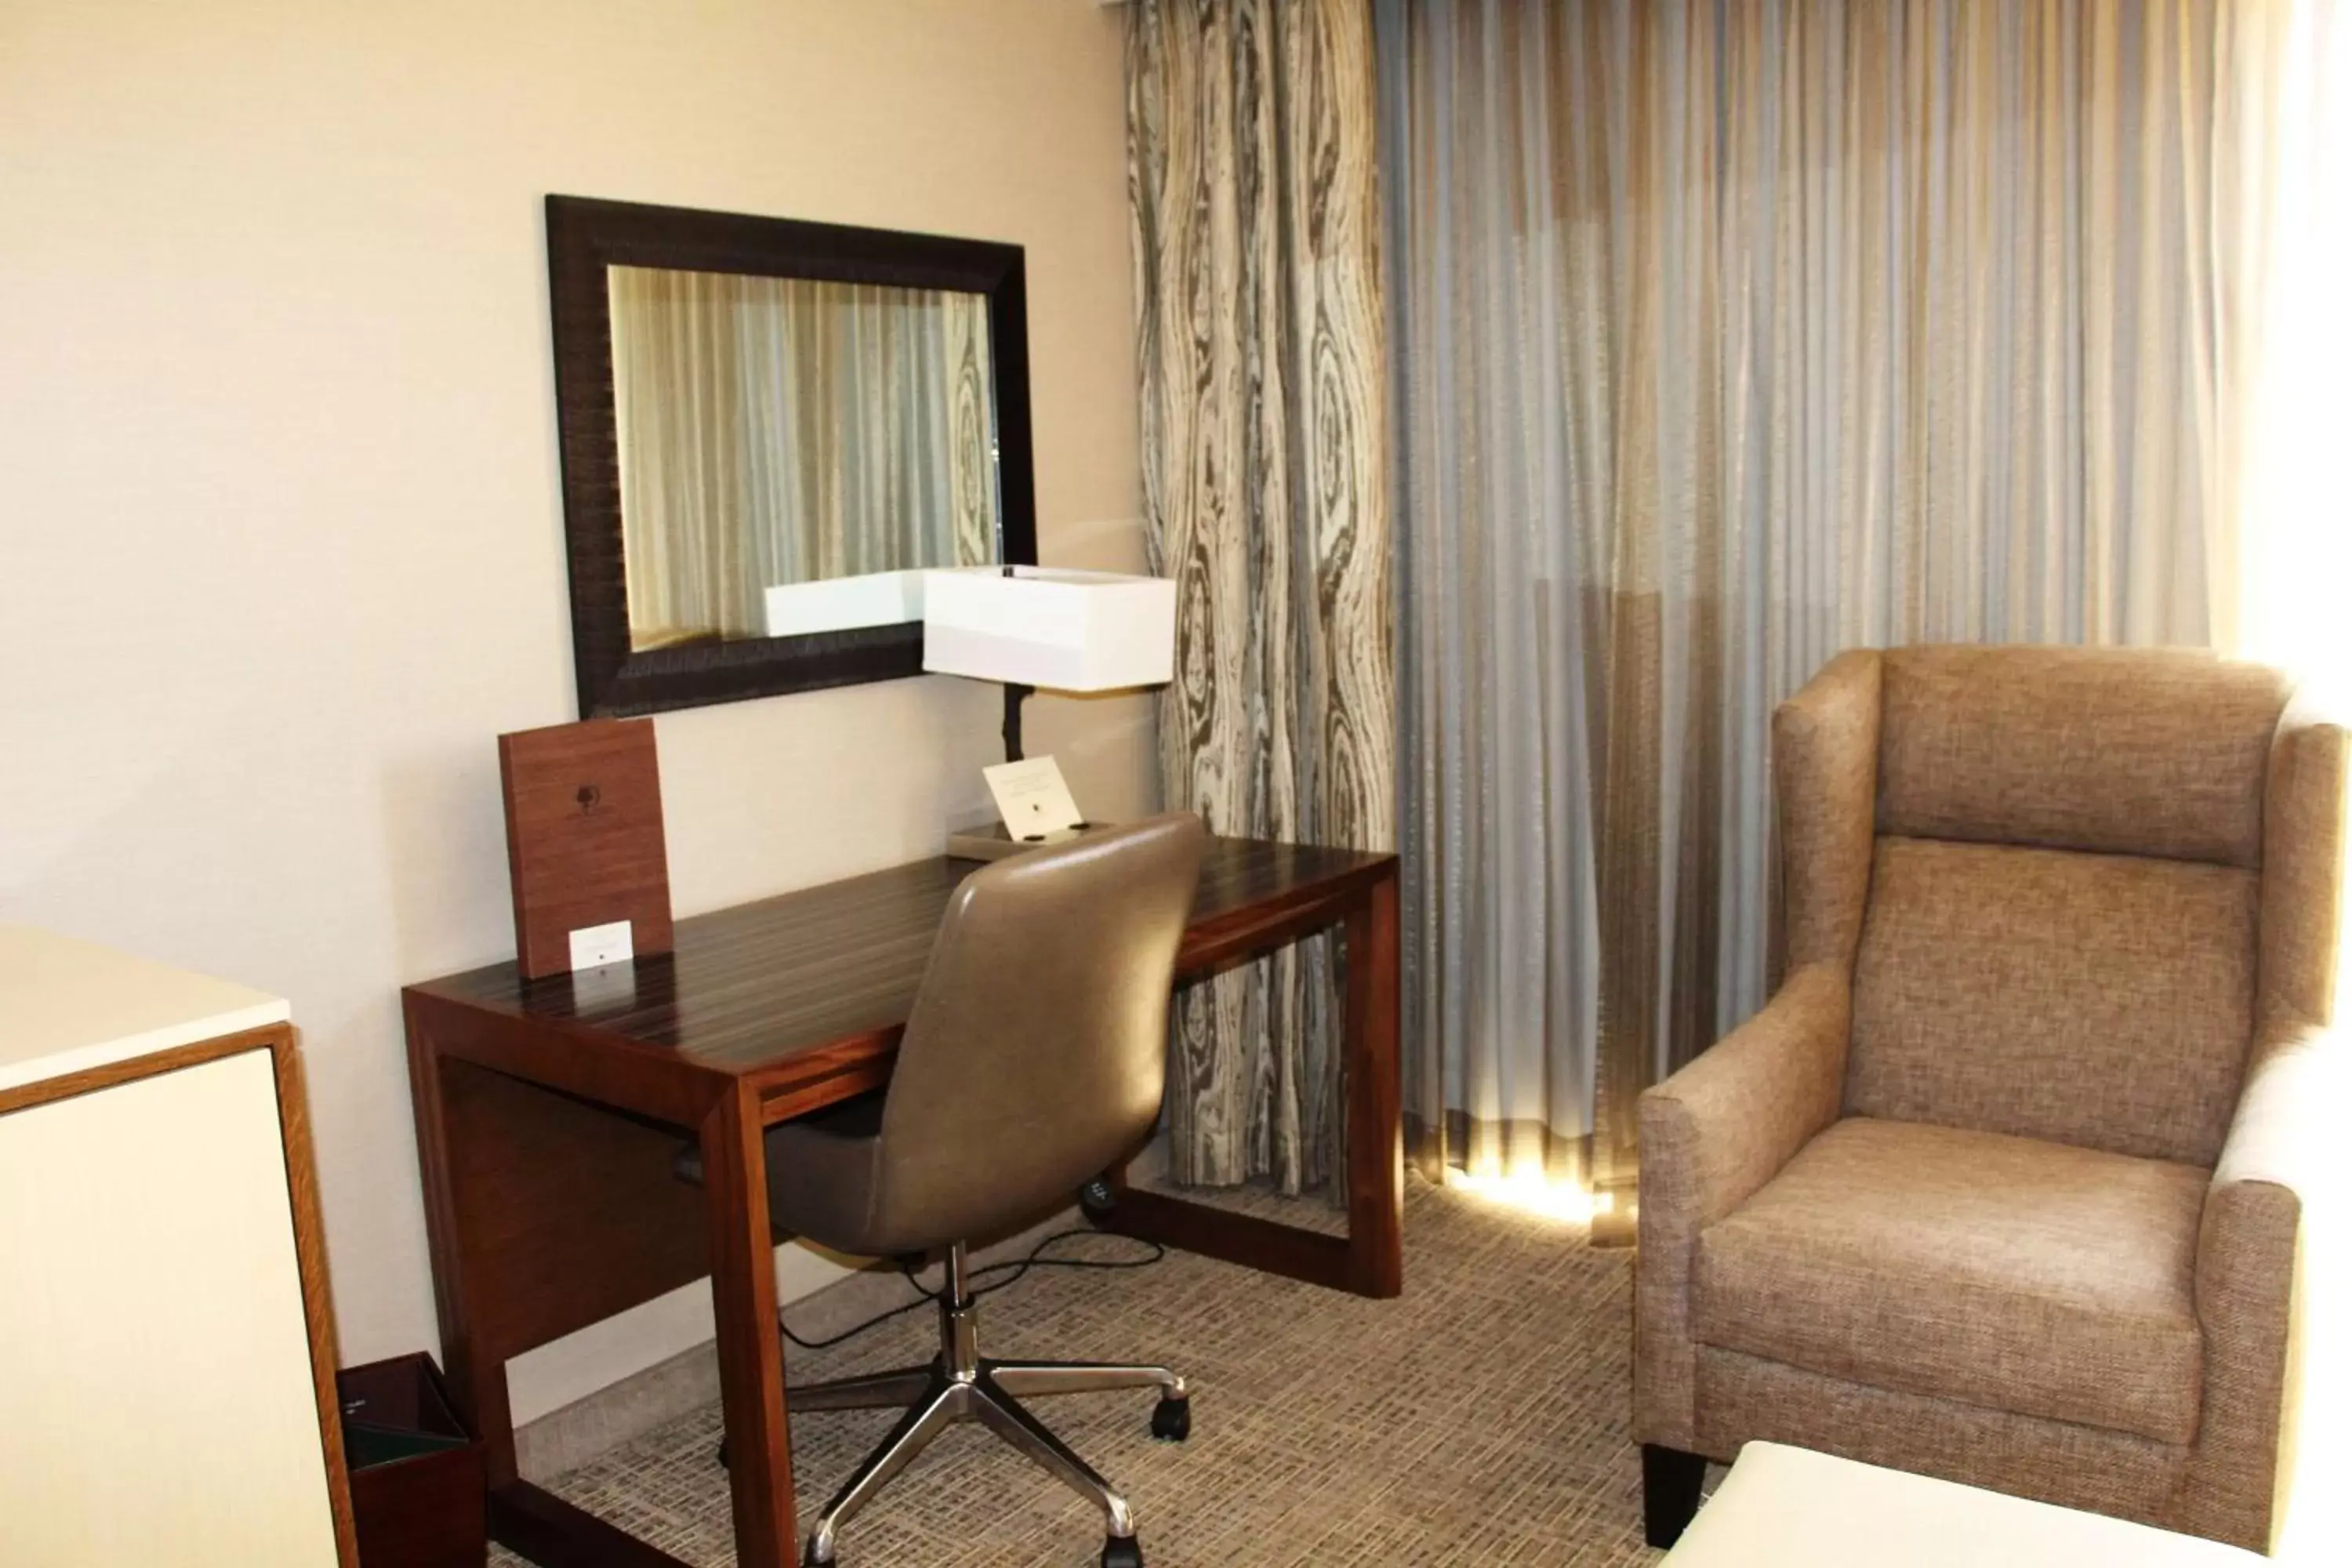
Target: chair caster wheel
(1121, 1551)
(1171, 1420)
(722, 1455)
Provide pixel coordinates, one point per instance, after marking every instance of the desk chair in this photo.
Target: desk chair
(1033, 1060)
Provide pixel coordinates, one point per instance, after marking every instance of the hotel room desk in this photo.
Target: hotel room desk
(547, 1112)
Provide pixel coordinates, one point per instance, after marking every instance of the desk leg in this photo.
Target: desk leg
(485, 1158)
(1375, 1097)
(477, 1381)
(1369, 1259)
(751, 1356)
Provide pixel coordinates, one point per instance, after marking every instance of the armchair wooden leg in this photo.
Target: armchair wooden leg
(1670, 1483)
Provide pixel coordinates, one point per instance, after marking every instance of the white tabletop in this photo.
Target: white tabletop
(67, 1006)
(1783, 1507)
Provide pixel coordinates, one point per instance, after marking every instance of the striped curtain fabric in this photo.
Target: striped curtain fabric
(1731, 334)
(1260, 333)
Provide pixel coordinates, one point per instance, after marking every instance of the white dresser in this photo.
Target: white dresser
(166, 1350)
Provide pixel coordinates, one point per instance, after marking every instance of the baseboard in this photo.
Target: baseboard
(587, 1428)
(567, 1438)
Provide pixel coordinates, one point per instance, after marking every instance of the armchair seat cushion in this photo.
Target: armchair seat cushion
(2021, 1276)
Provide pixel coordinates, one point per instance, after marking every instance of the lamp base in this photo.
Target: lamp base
(993, 842)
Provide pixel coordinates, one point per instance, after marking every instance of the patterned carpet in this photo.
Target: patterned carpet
(1480, 1419)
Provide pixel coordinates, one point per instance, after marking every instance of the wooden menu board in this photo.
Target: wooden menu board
(584, 840)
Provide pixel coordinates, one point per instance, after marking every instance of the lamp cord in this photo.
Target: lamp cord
(1015, 1269)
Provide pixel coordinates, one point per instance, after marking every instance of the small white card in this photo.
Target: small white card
(1032, 798)
(593, 947)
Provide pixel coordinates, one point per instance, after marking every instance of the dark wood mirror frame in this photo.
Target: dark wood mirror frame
(585, 237)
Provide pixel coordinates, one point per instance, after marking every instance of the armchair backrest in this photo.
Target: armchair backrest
(2158, 753)
(2060, 928)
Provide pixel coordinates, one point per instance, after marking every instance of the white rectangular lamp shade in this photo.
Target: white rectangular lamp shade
(1046, 626)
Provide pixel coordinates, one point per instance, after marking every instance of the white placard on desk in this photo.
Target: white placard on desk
(593, 947)
(1032, 798)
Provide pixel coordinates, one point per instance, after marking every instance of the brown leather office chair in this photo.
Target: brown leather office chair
(1033, 1060)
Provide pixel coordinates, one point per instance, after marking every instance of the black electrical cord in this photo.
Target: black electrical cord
(1013, 1267)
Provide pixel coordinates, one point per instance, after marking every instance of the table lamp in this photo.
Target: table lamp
(1032, 626)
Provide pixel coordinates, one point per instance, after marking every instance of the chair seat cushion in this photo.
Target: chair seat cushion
(2021, 1276)
(822, 1169)
(822, 1175)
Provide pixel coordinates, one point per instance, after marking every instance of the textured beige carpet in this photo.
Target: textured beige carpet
(1480, 1419)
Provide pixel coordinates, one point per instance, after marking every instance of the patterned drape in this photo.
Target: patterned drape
(1731, 334)
(784, 429)
(1261, 338)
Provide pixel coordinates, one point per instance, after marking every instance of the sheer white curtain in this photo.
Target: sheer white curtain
(1731, 333)
(2287, 346)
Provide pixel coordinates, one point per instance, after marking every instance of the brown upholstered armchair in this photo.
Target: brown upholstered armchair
(2003, 1184)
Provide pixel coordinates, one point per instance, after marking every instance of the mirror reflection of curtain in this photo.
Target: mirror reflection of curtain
(781, 429)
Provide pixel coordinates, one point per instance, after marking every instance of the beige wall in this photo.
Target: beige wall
(281, 543)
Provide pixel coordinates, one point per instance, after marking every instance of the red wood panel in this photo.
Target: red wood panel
(585, 843)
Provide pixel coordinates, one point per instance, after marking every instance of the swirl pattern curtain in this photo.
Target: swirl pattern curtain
(1731, 334)
(1260, 339)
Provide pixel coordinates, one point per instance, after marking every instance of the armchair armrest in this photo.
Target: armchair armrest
(1711, 1135)
(2279, 1180)
(2280, 1156)
(1722, 1127)
(2290, 1113)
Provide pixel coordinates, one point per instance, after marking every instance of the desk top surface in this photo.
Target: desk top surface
(751, 986)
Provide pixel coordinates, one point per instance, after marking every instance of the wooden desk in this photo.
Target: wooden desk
(547, 1112)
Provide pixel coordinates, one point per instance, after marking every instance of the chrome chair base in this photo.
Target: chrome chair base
(963, 1385)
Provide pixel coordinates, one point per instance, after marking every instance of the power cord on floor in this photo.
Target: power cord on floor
(1015, 1269)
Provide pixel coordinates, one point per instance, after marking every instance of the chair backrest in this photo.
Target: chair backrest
(2061, 929)
(1035, 1054)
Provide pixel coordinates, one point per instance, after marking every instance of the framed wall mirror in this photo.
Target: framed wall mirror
(769, 430)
